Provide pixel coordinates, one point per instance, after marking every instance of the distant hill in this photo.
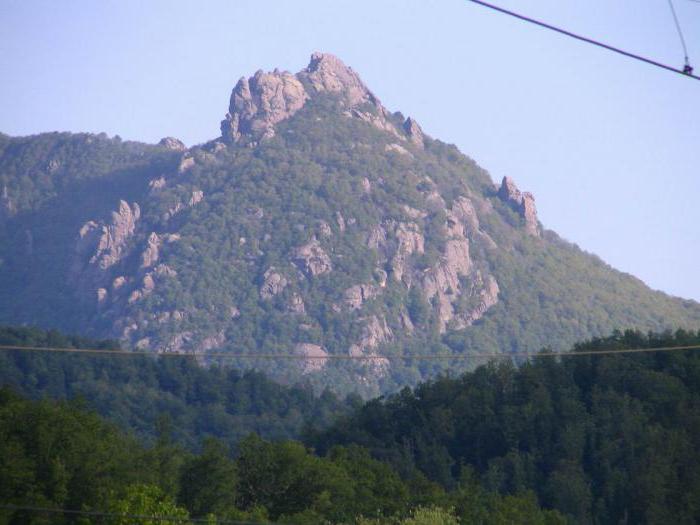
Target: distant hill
(318, 223)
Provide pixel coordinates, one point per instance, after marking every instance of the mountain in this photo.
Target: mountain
(318, 223)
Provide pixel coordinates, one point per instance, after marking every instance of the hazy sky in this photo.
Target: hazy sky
(609, 147)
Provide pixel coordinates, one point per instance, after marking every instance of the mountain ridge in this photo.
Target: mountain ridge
(318, 223)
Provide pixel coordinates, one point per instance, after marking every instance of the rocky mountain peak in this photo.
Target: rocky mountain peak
(327, 73)
(260, 102)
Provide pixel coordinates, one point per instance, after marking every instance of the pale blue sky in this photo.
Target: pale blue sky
(609, 147)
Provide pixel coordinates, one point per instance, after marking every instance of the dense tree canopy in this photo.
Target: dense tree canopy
(56, 455)
(138, 391)
(604, 439)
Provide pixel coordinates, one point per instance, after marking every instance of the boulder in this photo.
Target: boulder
(312, 259)
(273, 284)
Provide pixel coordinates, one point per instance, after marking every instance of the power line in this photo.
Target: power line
(347, 357)
(680, 32)
(685, 72)
(103, 514)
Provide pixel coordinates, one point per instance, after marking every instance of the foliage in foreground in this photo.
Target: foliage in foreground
(58, 455)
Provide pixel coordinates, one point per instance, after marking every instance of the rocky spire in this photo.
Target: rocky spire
(260, 102)
(414, 131)
(327, 73)
(523, 203)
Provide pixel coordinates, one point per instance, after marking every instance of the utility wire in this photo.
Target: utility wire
(345, 357)
(680, 32)
(687, 72)
(103, 514)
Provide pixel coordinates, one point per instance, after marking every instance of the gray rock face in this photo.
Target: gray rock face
(150, 254)
(296, 304)
(106, 242)
(260, 102)
(375, 332)
(442, 281)
(316, 357)
(273, 284)
(487, 297)
(396, 241)
(414, 132)
(357, 295)
(327, 73)
(523, 203)
(312, 259)
(449, 283)
(196, 197)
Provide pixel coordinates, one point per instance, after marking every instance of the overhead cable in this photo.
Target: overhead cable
(348, 357)
(130, 517)
(687, 67)
(686, 71)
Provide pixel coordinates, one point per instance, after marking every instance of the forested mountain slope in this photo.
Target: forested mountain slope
(143, 394)
(318, 223)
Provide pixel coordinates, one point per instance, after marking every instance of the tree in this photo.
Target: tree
(144, 501)
(208, 483)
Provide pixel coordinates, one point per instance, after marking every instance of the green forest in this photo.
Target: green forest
(602, 439)
(59, 455)
(578, 439)
(135, 391)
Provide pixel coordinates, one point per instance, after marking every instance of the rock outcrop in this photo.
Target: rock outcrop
(375, 332)
(327, 73)
(273, 284)
(452, 279)
(150, 254)
(357, 295)
(315, 357)
(409, 240)
(414, 132)
(105, 243)
(260, 102)
(312, 259)
(442, 281)
(173, 144)
(523, 203)
(196, 197)
(296, 304)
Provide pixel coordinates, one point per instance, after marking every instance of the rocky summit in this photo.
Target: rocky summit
(318, 224)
